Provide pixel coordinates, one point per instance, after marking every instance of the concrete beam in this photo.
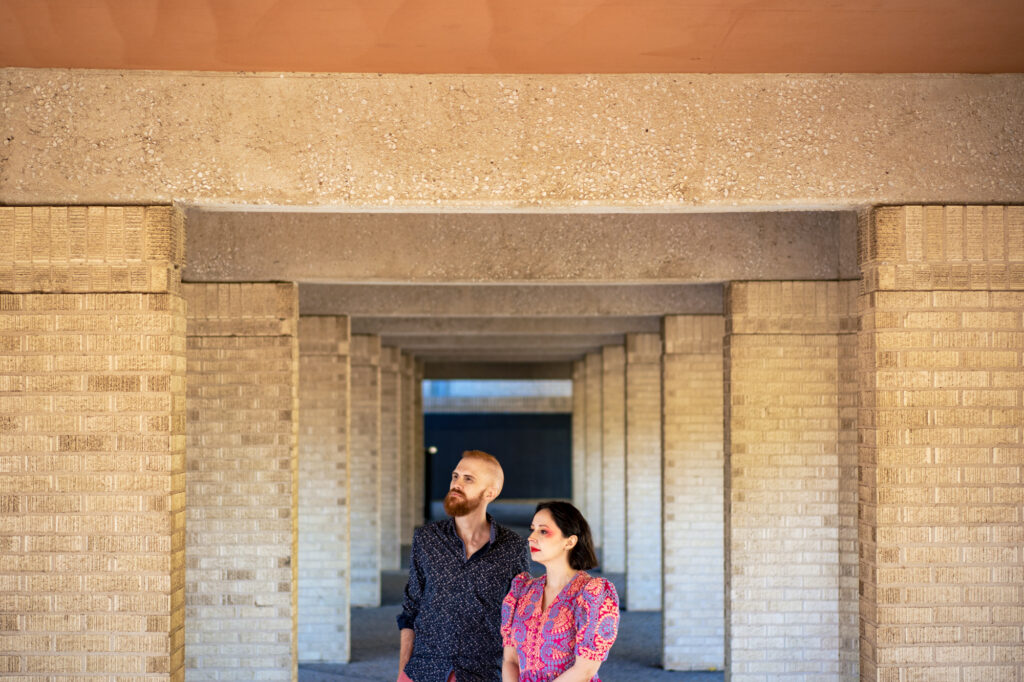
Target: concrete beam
(403, 327)
(258, 246)
(517, 342)
(438, 142)
(567, 300)
(497, 370)
(502, 355)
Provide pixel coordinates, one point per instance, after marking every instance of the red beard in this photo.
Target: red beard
(462, 505)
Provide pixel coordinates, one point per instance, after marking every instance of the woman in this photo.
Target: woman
(560, 626)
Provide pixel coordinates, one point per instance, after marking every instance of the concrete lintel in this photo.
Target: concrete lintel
(437, 142)
(506, 247)
(497, 370)
(519, 342)
(531, 300)
(506, 355)
(411, 327)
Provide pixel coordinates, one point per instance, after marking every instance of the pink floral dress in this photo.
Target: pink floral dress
(582, 621)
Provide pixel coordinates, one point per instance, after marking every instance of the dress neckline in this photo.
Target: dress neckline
(558, 597)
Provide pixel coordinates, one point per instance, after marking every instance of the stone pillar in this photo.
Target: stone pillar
(365, 441)
(324, 634)
(242, 483)
(942, 443)
(92, 448)
(594, 367)
(790, 419)
(693, 629)
(613, 449)
(390, 448)
(643, 472)
(419, 469)
(407, 465)
(579, 435)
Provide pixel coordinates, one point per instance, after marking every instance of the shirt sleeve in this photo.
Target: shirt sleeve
(597, 619)
(508, 607)
(413, 588)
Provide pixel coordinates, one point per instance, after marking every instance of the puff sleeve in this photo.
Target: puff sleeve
(508, 607)
(597, 619)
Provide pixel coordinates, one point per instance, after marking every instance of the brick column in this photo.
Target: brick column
(594, 368)
(693, 629)
(613, 448)
(390, 447)
(419, 463)
(790, 401)
(92, 448)
(942, 442)
(242, 482)
(324, 633)
(579, 435)
(365, 439)
(643, 472)
(407, 465)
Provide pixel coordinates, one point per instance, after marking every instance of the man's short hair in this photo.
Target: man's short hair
(496, 471)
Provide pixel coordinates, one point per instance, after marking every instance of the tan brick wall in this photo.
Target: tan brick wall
(323, 617)
(390, 447)
(365, 440)
(407, 465)
(594, 367)
(613, 449)
(419, 463)
(579, 435)
(942, 443)
(92, 446)
(643, 472)
(242, 481)
(693, 629)
(790, 471)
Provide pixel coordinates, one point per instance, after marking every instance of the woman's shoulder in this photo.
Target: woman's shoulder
(592, 587)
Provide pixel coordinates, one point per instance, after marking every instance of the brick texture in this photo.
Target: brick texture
(790, 401)
(390, 449)
(407, 465)
(324, 629)
(693, 629)
(579, 435)
(643, 472)
(242, 482)
(942, 443)
(594, 367)
(92, 443)
(365, 440)
(419, 463)
(613, 455)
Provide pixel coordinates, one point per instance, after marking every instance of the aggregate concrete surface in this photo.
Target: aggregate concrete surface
(635, 657)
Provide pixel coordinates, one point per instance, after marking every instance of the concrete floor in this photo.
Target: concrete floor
(635, 656)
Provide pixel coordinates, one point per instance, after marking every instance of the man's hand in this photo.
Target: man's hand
(405, 648)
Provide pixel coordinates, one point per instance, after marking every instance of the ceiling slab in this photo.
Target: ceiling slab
(496, 301)
(322, 247)
(517, 36)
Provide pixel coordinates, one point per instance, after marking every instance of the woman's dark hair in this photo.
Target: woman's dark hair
(571, 522)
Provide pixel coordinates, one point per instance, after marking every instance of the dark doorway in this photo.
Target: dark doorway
(535, 450)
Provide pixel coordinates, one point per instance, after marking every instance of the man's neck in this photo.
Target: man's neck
(473, 528)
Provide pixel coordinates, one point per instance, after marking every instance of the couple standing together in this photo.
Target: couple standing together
(471, 611)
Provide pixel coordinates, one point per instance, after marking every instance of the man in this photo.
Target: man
(459, 573)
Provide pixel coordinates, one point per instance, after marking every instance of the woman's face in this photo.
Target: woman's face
(547, 543)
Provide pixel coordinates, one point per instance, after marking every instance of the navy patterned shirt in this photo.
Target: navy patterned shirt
(453, 604)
